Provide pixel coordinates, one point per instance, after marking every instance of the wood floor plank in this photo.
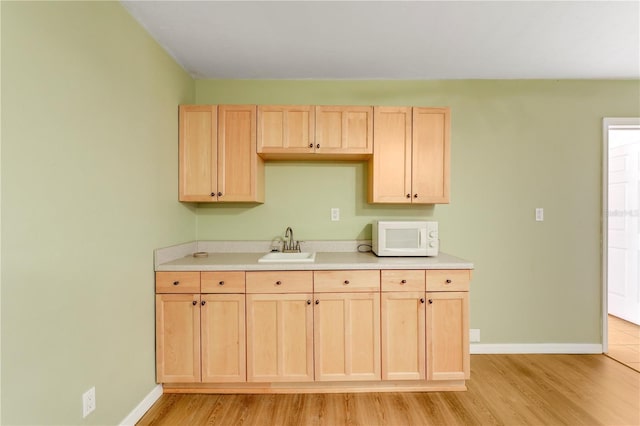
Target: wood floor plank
(503, 390)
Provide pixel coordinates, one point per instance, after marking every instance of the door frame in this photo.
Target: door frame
(607, 123)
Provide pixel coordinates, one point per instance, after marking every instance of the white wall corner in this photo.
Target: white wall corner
(536, 348)
(134, 416)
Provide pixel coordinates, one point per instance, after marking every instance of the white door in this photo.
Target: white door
(624, 228)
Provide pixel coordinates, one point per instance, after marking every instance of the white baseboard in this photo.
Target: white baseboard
(143, 407)
(536, 348)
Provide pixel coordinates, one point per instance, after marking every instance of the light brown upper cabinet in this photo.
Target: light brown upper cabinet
(411, 156)
(285, 129)
(315, 132)
(218, 159)
(344, 130)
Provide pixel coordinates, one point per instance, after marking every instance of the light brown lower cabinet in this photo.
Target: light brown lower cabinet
(311, 330)
(222, 336)
(178, 338)
(200, 338)
(448, 336)
(347, 336)
(279, 337)
(403, 335)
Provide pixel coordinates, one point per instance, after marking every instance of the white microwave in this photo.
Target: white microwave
(405, 238)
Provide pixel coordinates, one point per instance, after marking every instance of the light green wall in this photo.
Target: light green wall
(89, 189)
(516, 145)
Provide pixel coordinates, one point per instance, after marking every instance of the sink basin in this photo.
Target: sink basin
(277, 257)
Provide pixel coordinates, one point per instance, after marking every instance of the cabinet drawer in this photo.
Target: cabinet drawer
(448, 280)
(222, 282)
(346, 281)
(177, 282)
(280, 282)
(403, 280)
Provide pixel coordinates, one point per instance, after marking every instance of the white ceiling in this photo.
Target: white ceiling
(397, 39)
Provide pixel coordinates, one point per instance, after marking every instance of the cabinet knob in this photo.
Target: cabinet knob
(194, 303)
(403, 282)
(213, 194)
(278, 282)
(408, 195)
(430, 301)
(317, 302)
(421, 300)
(415, 195)
(346, 281)
(219, 194)
(308, 302)
(204, 302)
(310, 145)
(176, 282)
(318, 146)
(221, 283)
(448, 281)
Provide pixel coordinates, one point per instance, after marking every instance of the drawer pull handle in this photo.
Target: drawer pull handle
(403, 282)
(176, 282)
(204, 302)
(308, 302)
(346, 281)
(448, 281)
(221, 283)
(194, 303)
(278, 282)
(421, 300)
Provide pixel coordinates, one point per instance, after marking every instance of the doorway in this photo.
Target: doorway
(621, 239)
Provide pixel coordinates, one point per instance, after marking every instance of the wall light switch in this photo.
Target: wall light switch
(335, 214)
(539, 214)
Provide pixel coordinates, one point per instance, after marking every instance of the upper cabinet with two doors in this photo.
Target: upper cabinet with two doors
(290, 132)
(410, 162)
(218, 158)
(222, 148)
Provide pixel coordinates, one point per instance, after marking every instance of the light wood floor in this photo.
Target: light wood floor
(624, 342)
(503, 390)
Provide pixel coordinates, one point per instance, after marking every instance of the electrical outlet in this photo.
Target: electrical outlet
(474, 335)
(88, 402)
(539, 214)
(335, 214)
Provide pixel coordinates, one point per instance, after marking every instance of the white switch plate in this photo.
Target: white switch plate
(88, 402)
(539, 214)
(335, 214)
(474, 335)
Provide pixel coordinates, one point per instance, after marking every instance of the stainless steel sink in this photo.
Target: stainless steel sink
(278, 257)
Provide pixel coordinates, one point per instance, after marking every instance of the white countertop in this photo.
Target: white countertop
(180, 258)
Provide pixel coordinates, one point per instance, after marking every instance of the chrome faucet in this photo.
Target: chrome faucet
(289, 245)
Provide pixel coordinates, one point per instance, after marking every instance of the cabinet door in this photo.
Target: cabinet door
(347, 336)
(223, 338)
(198, 152)
(344, 130)
(448, 336)
(279, 338)
(240, 170)
(285, 129)
(403, 336)
(178, 338)
(430, 155)
(390, 165)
